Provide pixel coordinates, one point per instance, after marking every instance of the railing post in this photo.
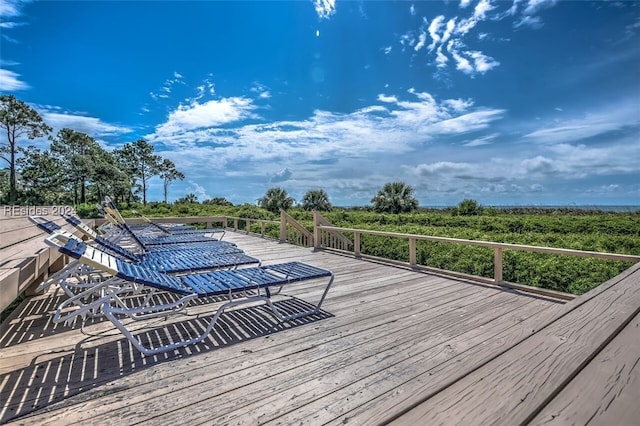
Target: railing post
(248, 226)
(497, 265)
(356, 244)
(283, 227)
(262, 228)
(412, 252)
(316, 231)
(235, 223)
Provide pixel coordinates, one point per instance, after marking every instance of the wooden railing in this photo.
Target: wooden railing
(251, 226)
(328, 237)
(292, 232)
(325, 236)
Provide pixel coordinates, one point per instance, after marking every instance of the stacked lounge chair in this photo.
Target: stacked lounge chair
(156, 234)
(172, 260)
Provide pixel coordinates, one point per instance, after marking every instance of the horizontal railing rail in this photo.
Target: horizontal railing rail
(328, 237)
(263, 223)
(324, 241)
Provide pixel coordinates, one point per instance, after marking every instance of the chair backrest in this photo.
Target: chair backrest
(150, 222)
(75, 221)
(121, 251)
(103, 261)
(45, 224)
(52, 227)
(113, 215)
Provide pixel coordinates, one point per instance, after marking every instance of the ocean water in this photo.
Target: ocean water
(604, 208)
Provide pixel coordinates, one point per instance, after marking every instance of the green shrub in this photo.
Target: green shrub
(87, 211)
(468, 207)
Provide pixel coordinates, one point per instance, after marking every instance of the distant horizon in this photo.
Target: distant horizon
(498, 101)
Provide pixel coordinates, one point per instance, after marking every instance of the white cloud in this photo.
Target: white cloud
(473, 121)
(529, 21)
(396, 127)
(605, 189)
(482, 62)
(209, 114)
(385, 98)
(198, 190)
(458, 105)
(529, 15)
(10, 25)
(462, 63)
(434, 28)
(485, 140)
(615, 117)
(442, 167)
(281, 176)
(454, 34)
(412, 10)
(262, 91)
(422, 38)
(10, 81)
(483, 6)
(534, 6)
(325, 8)
(342, 150)
(538, 164)
(451, 25)
(441, 58)
(387, 50)
(518, 172)
(11, 8)
(92, 126)
(479, 14)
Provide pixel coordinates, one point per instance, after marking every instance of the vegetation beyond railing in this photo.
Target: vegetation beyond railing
(325, 238)
(471, 253)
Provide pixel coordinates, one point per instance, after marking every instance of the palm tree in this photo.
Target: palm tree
(316, 199)
(276, 199)
(395, 197)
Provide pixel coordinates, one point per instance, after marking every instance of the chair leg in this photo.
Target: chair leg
(282, 317)
(111, 312)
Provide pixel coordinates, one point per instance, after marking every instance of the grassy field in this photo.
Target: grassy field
(566, 228)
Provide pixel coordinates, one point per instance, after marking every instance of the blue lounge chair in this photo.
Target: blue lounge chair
(210, 245)
(251, 284)
(146, 239)
(177, 229)
(185, 260)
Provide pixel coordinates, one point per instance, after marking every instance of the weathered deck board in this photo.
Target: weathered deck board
(605, 392)
(519, 383)
(388, 337)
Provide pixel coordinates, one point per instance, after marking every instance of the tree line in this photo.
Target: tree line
(75, 169)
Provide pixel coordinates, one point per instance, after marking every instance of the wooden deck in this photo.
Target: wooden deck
(393, 345)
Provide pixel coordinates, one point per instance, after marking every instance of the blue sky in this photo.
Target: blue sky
(525, 102)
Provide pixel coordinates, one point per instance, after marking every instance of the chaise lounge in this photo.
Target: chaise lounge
(239, 286)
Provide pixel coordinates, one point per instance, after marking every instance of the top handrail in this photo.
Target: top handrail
(489, 244)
